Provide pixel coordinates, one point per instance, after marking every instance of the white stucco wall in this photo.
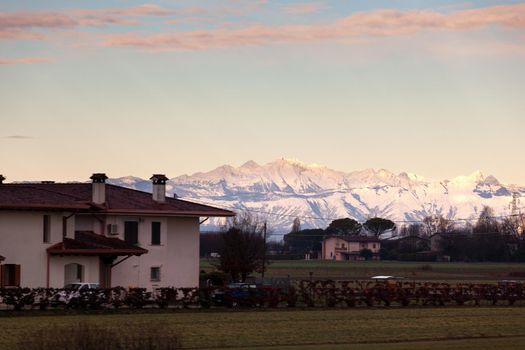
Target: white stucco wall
(177, 256)
(57, 269)
(21, 243)
(329, 247)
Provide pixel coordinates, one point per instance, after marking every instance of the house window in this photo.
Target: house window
(64, 226)
(10, 274)
(155, 233)
(131, 232)
(155, 273)
(46, 229)
(374, 246)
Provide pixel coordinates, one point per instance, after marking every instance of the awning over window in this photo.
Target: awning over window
(90, 243)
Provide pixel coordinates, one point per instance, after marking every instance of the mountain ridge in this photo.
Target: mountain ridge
(288, 188)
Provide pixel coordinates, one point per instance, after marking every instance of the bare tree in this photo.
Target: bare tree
(437, 223)
(243, 247)
(513, 225)
(296, 226)
(487, 223)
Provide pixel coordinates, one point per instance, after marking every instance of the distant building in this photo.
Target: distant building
(349, 247)
(52, 234)
(407, 244)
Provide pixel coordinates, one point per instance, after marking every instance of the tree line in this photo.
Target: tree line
(241, 247)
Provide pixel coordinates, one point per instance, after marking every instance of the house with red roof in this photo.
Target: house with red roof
(349, 247)
(54, 234)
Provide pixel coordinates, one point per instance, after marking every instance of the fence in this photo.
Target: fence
(299, 294)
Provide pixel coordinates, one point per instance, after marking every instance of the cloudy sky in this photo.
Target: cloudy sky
(434, 87)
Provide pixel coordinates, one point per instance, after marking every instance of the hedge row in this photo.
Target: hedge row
(303, 294)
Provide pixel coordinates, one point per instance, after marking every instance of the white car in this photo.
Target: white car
(72, 291)
(386, 278)
(81, 286)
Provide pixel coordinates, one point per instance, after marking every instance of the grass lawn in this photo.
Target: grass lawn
(424, 328)
(453, 272)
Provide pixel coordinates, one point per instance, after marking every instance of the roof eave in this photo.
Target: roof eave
(181, 213)
(58, 251)
(42, 207)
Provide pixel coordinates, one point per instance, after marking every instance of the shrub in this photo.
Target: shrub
(137, 298)
(89, 336)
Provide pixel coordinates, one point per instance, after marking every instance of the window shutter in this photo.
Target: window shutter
(131, 232)
(17, 275)
(155, 233)
(46, 228)
(2, 268)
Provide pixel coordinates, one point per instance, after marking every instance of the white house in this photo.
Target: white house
(349, 247)
(52, 234)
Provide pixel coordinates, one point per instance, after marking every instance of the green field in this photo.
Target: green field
(416, 328)
(429, 328)
(451, 272)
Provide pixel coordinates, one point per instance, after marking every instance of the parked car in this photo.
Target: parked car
(238, 294)
(73, 291)
(81, 286)
(386, 278)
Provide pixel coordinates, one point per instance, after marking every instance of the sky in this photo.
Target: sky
(435, 88)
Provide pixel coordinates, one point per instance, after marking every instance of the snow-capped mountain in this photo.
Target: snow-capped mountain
(287, 188)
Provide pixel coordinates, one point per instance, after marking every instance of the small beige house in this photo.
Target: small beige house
(349, 247)
(53, 234)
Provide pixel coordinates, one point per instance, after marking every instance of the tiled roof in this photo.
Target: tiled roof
(21, 196)
(89, 243)
(356, 238)
(78, 196)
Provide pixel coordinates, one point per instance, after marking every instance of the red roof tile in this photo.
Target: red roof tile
(356, 238)
(89, 243)
(77, 196)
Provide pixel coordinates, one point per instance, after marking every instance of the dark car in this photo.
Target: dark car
(238, 294)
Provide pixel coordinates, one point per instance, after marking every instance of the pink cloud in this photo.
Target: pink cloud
(17, 34)
(36, 19)
(303, 8)
(88, 17)
(21, 25)
(358, 25)
(23, 60)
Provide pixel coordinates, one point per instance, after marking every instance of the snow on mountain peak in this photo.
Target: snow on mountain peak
(294, 162)
(475, 177)
(491, 180)
(128, 179)
(290, 188)
(250, 165)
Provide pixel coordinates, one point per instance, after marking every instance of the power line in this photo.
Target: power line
(336, 218)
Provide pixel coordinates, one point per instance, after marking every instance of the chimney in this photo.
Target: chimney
(99, 188)
(159, 187)
(2, 178)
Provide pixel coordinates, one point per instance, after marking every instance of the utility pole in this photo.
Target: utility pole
(264, 256)
(515, 214)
